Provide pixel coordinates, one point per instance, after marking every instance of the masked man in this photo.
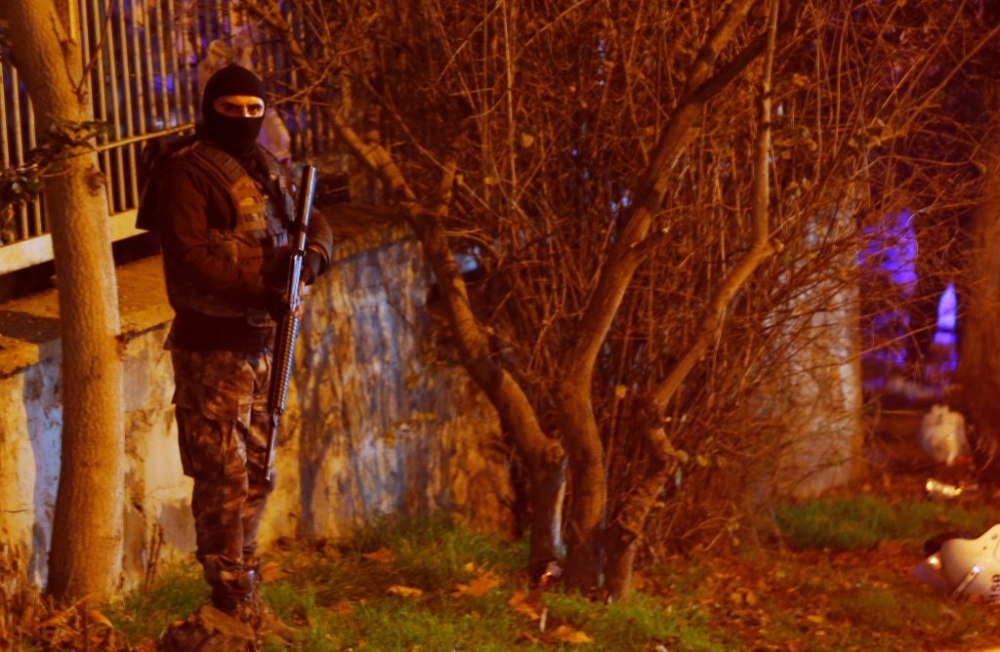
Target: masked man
(225, 212)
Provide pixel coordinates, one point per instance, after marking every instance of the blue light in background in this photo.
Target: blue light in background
(888, 260)
(892, 251)
(947, 312)
(945, 338)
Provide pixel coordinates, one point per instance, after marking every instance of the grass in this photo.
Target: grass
(863, 521)
(841, 581)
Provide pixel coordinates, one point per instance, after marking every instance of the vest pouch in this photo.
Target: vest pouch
(227, 249)
(240, 249)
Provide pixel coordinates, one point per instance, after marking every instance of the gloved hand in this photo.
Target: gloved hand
(312, 266)
(274, 302)
(275, 269)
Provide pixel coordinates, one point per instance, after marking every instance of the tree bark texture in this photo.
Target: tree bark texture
(86, 552)
(979, 358)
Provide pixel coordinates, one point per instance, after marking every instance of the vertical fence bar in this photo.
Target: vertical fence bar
(149, 73)
(121, 43)
(94, 54)
(189, 110)
(138, 73)
(5, 145)
(109, 53)
(17, 152)
(34, 209)
(161, 73)
(4, 138)
(168, 73)
(24, 228)
(221, 23)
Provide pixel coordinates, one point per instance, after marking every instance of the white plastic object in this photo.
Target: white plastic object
(942, 434)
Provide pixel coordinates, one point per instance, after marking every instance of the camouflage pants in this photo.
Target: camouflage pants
(223, 428)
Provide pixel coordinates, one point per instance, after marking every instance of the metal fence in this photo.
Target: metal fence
(146, 59)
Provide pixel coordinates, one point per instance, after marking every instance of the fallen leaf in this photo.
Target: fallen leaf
(477, 587)
(567, 634)
(57, 619)
(278, 626)
(525, 603)
(641, 583)
(525, 637)
(95, 617)
(382, 556)
(271, 571)
(404, 591)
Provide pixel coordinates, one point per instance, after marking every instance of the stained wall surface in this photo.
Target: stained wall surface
(377, 421)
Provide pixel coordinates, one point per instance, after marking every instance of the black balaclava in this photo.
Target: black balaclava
(235, 135)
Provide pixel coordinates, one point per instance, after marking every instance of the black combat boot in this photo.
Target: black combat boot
(233, 589)
(229, 624)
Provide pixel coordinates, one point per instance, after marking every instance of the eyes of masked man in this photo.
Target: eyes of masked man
(233, 110)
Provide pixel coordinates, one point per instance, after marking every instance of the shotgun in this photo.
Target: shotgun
(288, 328)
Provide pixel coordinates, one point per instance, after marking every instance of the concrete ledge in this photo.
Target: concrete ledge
(30, 330)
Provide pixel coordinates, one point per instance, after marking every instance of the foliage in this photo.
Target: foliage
(23, 183)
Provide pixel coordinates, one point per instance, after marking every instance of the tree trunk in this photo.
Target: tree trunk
(979, 358)
(542, 455)
(588, 484)
(86, 553)
(621, 535)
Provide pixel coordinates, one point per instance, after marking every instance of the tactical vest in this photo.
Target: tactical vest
(260, 226)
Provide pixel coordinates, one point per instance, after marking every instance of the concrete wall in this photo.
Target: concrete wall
(375, 422)
(810, 403)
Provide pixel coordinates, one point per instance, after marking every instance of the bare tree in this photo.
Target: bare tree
(86, 553)
(492, 189)
(658, 254)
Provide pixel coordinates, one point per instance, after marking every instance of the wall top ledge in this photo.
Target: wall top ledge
(30, 329)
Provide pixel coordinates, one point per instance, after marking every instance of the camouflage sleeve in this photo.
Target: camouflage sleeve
(320, 238)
